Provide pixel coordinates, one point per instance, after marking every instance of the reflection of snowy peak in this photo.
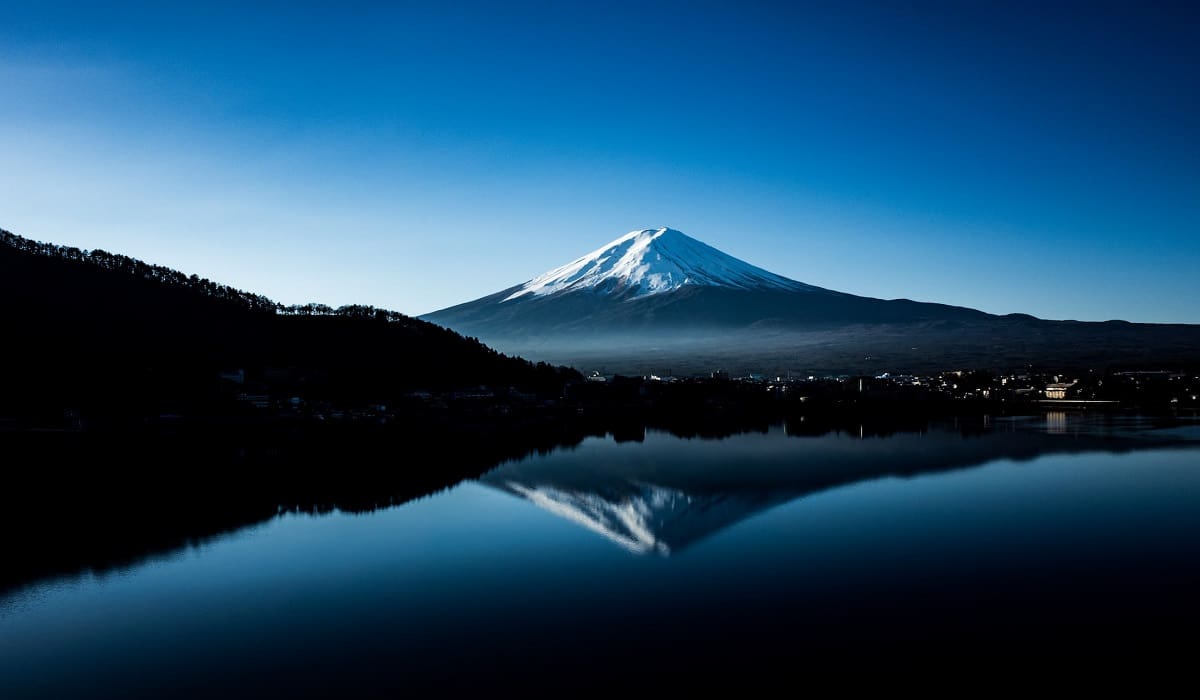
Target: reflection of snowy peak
(628, 522)
(642, 517)
(653, 261)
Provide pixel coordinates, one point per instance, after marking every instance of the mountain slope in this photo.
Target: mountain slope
(658, 298)
(110, 334)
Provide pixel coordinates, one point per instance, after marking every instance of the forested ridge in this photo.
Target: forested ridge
(108, 334)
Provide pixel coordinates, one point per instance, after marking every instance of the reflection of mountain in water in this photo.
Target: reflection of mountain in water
(643, 517)
(665, 494)
(657, 493)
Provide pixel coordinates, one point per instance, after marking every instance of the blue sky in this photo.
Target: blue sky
(1005, 157)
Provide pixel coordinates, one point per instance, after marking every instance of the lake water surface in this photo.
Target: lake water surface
(660, 560)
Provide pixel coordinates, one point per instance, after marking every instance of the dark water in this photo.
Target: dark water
(663, 562)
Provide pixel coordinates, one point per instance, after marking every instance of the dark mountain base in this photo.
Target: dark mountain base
(1003, 343)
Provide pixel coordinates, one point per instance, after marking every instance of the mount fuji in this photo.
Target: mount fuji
(657, 299)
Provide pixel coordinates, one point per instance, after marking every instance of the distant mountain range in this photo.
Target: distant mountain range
(659, 300)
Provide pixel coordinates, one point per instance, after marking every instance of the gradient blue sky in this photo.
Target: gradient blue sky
(1004, 157)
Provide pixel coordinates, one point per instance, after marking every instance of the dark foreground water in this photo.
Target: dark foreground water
(664, 562)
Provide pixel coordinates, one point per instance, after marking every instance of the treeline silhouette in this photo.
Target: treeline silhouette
(110, 336)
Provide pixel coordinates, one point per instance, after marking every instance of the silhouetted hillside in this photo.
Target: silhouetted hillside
(107, 335)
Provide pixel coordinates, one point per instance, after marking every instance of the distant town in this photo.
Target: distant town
(721, 391)
(1150, 387)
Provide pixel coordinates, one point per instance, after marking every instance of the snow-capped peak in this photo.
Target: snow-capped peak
(653, 261)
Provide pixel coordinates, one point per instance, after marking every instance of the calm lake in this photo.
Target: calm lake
(648, 560)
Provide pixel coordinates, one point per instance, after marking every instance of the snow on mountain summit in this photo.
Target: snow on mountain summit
(653, 261)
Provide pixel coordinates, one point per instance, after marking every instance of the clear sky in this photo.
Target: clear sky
(1004, 157)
